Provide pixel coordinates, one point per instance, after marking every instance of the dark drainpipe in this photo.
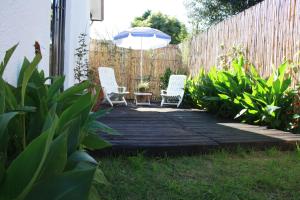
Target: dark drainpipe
(58, 37)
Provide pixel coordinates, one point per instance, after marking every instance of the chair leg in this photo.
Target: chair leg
(162, 102)
(110, 102)
(124, 101)
(179, 102)
(106, 97)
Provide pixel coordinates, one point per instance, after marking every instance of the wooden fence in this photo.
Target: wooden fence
(126, 64)
(269, 32)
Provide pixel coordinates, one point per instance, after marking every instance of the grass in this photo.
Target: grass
(270, 174)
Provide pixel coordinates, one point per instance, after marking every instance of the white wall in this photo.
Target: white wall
(24, 22)
(77, 21)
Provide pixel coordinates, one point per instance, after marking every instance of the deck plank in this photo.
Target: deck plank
(172, 129)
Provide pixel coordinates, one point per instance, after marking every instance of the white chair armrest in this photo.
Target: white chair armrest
(163, 92)
(122, 89)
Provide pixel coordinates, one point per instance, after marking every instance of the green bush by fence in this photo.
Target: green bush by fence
(245, 95)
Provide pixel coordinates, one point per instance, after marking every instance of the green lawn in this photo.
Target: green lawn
(243, 175)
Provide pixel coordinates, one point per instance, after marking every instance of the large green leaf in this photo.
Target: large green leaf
(27, 74)
(55, 87)
(79, 157)
(94, 142)
(2, 96)
(25, 169)
(2, 170)
(75, 90)
(281, 72)
(75, 110)
(56, 158)
(276, 87)
(7, 57)
(99, 113)
(4, 120)
(248, 101)
(25, 65)
(96, 127)
(271, 109)
(224, 96)
(285, 85)
(10, 97)
(242, 112)
(253, 71)
(74, 134)
(69, 185)
(270, 80)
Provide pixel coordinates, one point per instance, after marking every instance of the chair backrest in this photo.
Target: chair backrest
(108, 79)
(176, 85)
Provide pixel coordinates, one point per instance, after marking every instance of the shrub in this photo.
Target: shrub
(81, 69)
(164, 80)
(43, 136)
(239, 93)
(143, 86)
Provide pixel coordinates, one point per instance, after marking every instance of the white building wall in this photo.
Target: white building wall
(77, 22)
(24, 22)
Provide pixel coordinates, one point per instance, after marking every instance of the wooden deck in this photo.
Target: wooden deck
(160, 130)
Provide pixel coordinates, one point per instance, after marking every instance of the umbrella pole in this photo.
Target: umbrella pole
(141, 65)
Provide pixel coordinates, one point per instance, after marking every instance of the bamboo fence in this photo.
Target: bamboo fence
(126, 64)
(269, 32)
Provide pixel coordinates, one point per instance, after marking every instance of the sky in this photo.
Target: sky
(118, 14)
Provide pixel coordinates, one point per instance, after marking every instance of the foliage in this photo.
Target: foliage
(205, 13)
(164, 79)
(255, 175)
(81, 69)
(143, 86)
(164, 23)
(226, 59)
(244, 94)
(43, 136)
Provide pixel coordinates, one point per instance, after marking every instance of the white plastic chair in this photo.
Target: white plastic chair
(113, 94)
(175, 91)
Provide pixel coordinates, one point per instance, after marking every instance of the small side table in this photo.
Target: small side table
(142, 94)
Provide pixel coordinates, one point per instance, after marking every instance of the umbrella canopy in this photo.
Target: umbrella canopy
(142, 38)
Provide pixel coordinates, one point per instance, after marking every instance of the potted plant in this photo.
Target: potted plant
(143, 87)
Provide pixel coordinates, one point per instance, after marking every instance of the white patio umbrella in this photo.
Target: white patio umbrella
(142, 38)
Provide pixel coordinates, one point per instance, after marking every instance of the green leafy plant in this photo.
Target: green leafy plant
(81, 69)
(43, 136)
(143, 86)
(240, 92)
(164, 79)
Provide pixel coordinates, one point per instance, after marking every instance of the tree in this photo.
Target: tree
(205, 13)
(164, 23)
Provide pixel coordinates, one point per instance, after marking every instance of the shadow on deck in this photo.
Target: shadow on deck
(156, 130)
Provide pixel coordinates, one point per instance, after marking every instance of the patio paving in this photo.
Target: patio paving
(170, 130)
